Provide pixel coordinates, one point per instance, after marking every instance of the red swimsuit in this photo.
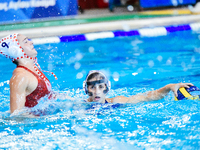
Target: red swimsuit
(43, 88)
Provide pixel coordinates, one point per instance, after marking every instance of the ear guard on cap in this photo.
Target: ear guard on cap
(192, 93)
(10, 48)
(107, 82)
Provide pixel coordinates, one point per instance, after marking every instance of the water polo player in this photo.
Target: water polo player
(27, 84)
(96, 85)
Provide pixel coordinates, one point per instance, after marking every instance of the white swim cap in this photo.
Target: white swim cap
(10, 48)
(105, 80)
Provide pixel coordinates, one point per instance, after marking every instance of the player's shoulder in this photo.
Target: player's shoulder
(19, 75)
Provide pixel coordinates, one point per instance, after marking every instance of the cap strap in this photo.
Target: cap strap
(42, 70)
(96, 82)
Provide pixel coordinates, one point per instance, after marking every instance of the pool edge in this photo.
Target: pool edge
(131, 24)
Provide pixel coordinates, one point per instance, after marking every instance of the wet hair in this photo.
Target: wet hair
(95, 75)
(15, 62)
(100, 78)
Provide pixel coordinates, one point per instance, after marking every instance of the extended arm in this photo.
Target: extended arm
(152, 95)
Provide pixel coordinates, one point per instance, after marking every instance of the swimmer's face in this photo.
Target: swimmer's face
(27, 45)
(97, 91)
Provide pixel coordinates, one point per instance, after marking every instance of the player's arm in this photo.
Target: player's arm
(158, 94)
(18, 86)
(152, 95)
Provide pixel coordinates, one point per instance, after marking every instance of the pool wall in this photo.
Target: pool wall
(147, 32)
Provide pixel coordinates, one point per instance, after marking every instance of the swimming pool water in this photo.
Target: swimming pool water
(133, 65)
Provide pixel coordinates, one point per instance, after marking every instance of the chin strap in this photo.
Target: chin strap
(37, 70)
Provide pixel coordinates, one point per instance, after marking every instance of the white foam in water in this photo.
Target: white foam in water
(78, 125)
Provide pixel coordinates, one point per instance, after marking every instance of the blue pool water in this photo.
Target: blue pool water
(133, 64)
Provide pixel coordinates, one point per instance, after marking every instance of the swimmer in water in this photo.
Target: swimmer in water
(96, 85)
(28, 83)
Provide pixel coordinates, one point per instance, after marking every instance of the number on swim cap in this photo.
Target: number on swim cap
(4, 44)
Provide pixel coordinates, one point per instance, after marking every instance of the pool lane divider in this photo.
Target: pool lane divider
(145, 32)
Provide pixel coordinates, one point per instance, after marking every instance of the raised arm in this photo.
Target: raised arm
(18, 85)
(152, 95)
